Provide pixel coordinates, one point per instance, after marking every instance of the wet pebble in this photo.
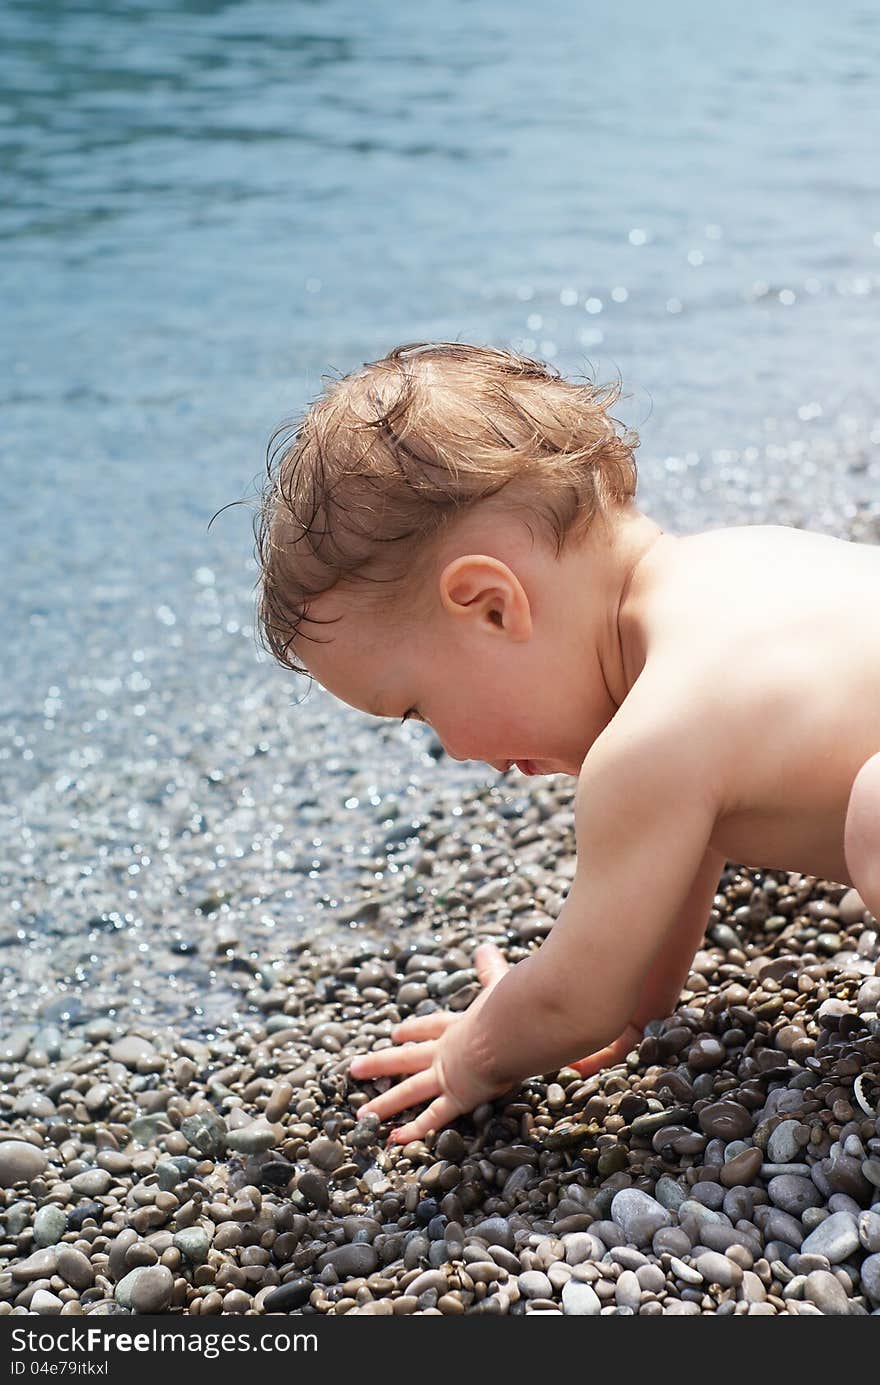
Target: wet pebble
(20, 1162)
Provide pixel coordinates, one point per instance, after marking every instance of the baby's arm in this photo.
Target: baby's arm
(644, 814)
(667, 977)
(645, 810)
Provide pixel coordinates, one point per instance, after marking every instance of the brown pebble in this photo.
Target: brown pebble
(742, 1169)
(279, 1101)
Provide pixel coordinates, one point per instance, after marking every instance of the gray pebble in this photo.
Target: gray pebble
(495, 1231)
(779, 1226)
(314, 1186)
(823, 1289)
(193, 1242)
(869, 1231)
(870, 1273)
(580, 1300)
(836, 1238)
(351, 1260)
(717, 1269)
(15, 1045)
(672, 1240)
(254, 1138)
(45, 1303)
(50, 1224)
(793, 1194)
(532, 1284)
(131, 1050)
(91, 1183)
(638, 1215)
(580, 1246)
(146, 1289)
(206, 1131)
(688, 1274)
(168, 1175)
(288, 1297)
(651, 1278)
(669, 1193)
(783, 1147)
(628, 1292)
(20, 1162)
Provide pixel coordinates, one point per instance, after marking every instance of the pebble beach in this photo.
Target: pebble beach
(731, 1165)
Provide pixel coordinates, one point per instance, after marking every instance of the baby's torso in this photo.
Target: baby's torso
(786, 625)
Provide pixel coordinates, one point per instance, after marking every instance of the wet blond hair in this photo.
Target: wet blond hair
(361, 486)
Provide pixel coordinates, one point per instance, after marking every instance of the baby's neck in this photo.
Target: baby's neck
(631, 537)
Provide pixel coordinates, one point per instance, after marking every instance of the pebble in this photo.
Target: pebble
(688, 1273)
(792, 1193)
(638, 1215)
(870, 1274)
(495, 1231)
(132, 1050)
(45, 1303)
(326, 1154)
(580, 1300)
(20, 1162)
(254, 1138)
(784, 1146)
(717, 1269)
(350, 1260)
(869, 1230)
(534, 1284)
(206, 1132)
(40, 1265)
(628, 1291)
(74, 1267)
(836, 1238)
(726, 1120)
(288, 1297)
(196, 1169)
(742, 1169)
(146, 1289)
(669, 1193)
(193, 1242)
(91, 1183)
(279, 1102)
(822, 1288)
(50, 1224)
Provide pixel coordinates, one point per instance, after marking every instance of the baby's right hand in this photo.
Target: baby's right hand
(615, 1053)
(437, 1054)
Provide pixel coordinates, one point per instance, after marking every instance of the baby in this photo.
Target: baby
(451, 535)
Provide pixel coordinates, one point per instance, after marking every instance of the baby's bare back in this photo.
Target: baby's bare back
(785, 624)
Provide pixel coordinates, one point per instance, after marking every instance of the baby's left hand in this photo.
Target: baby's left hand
(440, 1053)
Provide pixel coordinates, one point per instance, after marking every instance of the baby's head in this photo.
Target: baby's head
(422, 509)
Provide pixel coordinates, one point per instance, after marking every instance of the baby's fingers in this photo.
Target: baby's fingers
(422, 1087)
(490, 963)
(423, 1026)
(391, 1062)
(434, 1117)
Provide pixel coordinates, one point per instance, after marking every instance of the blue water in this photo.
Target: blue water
(209, 205)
